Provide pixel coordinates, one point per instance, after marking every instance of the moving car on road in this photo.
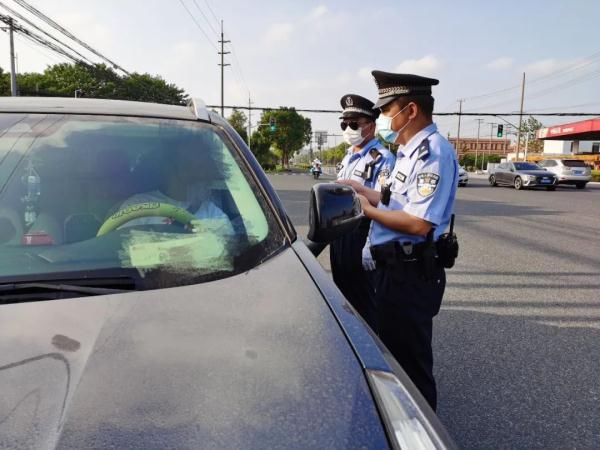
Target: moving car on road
(522, 175)
(463, 176)
(569, 171)
(154, 293)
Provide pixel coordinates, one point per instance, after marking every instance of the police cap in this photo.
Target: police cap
(354, 105)
(394, 85)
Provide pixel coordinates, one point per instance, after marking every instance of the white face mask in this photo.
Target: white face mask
(353, 137)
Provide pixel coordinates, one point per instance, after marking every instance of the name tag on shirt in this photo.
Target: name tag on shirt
(358, 173)
(400, 177)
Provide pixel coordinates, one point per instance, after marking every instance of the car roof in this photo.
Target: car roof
(92, 106)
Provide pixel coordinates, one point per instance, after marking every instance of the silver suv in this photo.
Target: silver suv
(569, 171)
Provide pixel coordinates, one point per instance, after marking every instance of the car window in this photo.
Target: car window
(526, 166)
(84, 193)
(573, 163)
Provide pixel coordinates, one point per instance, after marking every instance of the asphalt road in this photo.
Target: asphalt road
(517, 342)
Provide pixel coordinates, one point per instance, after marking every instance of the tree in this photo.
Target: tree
(529, 130)
(261, 147)
(239, 121)
(99, 81)
(4, 82)
(292, 131)
(335, 154)
(148, 88)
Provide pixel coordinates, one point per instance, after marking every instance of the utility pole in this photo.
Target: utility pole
(477, 144)
(13, 74)
(223, 53)
(249, 119)
(492, 125)
(460, 102)
(520, 117)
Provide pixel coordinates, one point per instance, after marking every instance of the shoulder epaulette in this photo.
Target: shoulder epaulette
(423, 149)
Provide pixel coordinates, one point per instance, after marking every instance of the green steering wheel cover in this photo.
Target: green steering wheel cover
(148, 209)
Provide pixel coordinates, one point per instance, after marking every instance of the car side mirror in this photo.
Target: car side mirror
(512, 169)
(334, 210)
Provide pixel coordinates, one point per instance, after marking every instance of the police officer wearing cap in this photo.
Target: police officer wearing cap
(410, 216)
(366, 162)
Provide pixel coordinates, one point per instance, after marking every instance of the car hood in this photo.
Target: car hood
(537, 173)
(252, 361)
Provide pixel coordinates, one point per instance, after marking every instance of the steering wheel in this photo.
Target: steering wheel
(147, 209)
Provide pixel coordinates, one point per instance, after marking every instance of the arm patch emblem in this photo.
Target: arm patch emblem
(427, 183)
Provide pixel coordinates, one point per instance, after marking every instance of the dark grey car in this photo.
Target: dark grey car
(522, 175)
(154, 294)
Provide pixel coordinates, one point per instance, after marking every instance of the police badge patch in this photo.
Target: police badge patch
(427, 183)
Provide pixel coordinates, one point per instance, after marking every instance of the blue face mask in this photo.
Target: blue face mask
(383, 126)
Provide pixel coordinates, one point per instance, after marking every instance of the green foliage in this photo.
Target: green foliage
(334, 155)
(239, 122)
(468, 161)
(292, 132)
(261, 147)
(529, 129)
(148, 88)
(4, 82)
(100, 81)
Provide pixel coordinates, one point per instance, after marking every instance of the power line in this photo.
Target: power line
(238, 66)
(38, 39)
(566, 107)
(47, 55)
(206, 18)
(561, 72)
(475, 114)
(27, 21)
(583, 78)
(199, 27)
(212, 12)
(66, 32)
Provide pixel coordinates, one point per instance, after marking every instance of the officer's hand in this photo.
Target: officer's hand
(367, 259)
(364, 203)
(352, 183)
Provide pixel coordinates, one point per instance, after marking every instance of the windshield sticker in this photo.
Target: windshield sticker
(204, 251)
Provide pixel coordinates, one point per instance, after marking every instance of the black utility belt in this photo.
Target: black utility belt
(395, 251)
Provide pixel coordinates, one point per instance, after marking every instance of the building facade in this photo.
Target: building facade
(472, 146)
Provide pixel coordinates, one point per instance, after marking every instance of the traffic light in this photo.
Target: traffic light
(272, 124)
(500, 130)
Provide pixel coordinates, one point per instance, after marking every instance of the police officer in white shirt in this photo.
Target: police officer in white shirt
(410, 216)
(364, 163)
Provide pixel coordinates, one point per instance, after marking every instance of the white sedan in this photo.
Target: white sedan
(463, 176)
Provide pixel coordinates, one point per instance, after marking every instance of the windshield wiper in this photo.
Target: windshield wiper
(33, 288)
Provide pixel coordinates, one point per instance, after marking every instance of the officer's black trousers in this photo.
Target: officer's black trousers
(406, 304)
(356, 284)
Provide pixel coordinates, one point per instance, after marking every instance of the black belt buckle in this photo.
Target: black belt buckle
(407, 248)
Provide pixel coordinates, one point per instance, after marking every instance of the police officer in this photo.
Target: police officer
(409, 216)
(364, 163)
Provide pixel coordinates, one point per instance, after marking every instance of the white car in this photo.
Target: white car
(463, 176)
(569, 171)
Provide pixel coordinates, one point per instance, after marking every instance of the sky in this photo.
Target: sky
(308, 54)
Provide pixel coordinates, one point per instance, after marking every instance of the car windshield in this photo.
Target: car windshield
(526, 166)
(574, 163)
(166, 201)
